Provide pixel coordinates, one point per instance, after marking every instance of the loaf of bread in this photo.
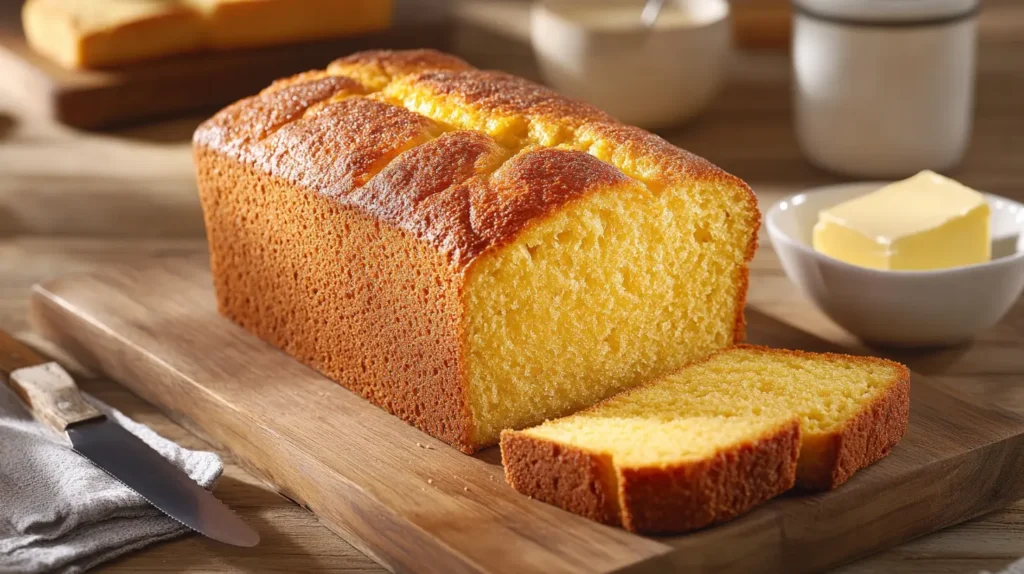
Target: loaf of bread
(464, 248)
(103, 33)
(714, 439)
(244, 23)
(98, 33)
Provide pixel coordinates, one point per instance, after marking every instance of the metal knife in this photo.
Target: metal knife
(54, 399)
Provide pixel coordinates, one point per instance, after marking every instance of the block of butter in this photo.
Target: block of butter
(103, 33)
(924, 222)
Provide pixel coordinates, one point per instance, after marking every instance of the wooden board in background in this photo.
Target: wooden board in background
(414, 503)
(177, 84)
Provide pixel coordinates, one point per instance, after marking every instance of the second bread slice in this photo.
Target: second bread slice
(714, 439)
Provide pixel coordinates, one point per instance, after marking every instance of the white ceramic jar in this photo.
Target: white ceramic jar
(884, 88)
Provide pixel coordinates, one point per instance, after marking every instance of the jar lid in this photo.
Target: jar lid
(889, 11)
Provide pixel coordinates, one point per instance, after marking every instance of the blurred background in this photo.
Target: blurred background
(95, 127)
(99, 99)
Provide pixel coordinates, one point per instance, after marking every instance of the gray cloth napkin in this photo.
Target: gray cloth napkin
(59, 513)
(1015, 568)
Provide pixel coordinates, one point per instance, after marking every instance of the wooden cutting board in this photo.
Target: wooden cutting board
(413, 503)
(178, 84)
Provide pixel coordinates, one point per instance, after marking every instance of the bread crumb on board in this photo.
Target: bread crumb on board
(430, 481)
(426, 446)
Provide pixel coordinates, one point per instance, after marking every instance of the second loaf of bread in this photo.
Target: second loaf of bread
(464, 248)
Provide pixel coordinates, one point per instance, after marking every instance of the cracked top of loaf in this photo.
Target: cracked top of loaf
(462, 158)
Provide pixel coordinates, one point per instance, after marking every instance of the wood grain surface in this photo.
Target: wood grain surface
(415, 504)
(75, 201)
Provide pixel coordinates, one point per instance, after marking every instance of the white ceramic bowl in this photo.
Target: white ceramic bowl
(650, 78)
(900, 308)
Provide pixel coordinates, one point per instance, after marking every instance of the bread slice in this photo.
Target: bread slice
(714, 439)
(465, 248)
(653, 474)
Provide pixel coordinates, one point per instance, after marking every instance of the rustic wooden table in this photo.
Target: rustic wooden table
(73, 201)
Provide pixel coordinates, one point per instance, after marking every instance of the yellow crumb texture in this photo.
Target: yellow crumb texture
(715, 438)
(632, 282)
(637, 440)
(479, 253)
(738, 388)
(602, 296)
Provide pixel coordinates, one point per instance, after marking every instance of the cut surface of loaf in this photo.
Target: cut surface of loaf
(467, 249)
(102, 33)
(714, 439)
(653, 474)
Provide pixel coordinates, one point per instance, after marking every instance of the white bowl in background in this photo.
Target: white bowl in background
(647, 77)
(900, 308)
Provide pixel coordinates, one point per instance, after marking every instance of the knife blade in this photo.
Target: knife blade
(54, 399)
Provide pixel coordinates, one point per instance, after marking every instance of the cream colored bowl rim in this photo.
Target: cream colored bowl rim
(776, 233)
(717, 12)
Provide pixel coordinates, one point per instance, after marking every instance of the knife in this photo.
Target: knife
(54, 399)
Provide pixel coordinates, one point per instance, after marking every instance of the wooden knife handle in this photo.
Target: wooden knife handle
(47, 389)
(14, 355)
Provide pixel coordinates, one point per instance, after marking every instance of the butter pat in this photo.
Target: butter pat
(925, 222)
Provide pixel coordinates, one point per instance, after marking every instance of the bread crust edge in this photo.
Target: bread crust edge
(653, 500)
(574, 479)
(863, 439)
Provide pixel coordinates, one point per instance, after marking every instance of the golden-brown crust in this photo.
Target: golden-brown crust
(336, 140)
(531, 186)
(238, 127)
(830, 460)
(426, 190)
(694, 495)
(864, 439)
(873, 434)
(579, 481)
(657, 162)
(653, 500)
(299, 143)
(399, 63)
(739, 331)
(337, 149)
(385, 324)
(501, 94)
(441, 191)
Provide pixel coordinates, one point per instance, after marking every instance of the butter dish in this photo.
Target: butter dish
(900, 308)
